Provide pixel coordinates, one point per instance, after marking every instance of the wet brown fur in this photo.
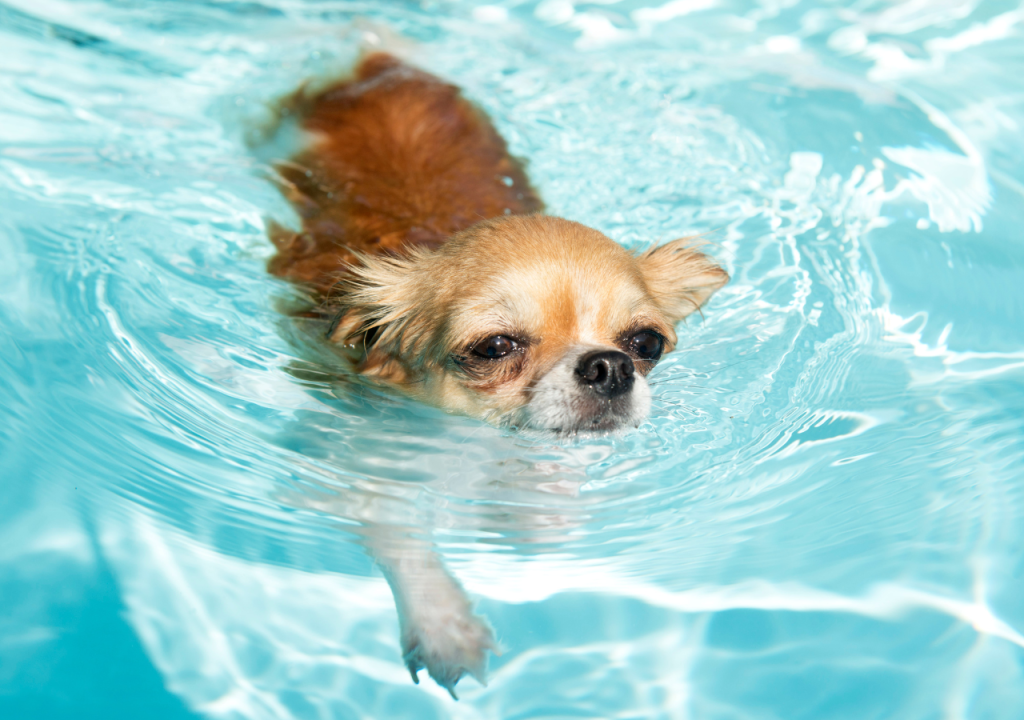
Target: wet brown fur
(399, 159)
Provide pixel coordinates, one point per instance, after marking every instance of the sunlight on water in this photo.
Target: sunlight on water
(822, 518)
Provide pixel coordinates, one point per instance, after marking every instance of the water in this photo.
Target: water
(822, 518)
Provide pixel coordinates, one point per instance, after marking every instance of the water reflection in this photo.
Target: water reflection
(823, 510)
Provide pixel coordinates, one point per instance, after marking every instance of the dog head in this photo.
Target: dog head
(524, 320)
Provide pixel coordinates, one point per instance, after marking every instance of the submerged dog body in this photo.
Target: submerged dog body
(421, 242)
(415, 234)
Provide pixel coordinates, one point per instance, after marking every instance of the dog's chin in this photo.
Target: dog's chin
(607, 424)
(573, 413)
(604, 425)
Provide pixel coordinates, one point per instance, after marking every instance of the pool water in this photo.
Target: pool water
(823, 517)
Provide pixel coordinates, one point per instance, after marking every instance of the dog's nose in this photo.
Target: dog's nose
(608, 373)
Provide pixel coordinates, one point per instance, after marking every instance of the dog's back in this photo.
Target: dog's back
(400, 158)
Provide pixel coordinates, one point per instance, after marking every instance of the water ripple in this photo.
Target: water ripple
(829, 477)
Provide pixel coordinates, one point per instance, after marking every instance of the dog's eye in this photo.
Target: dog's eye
(495, 347)
(646, 345)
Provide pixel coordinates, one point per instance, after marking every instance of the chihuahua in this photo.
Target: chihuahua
(424, 241)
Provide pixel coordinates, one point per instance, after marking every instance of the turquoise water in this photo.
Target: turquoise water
(823, 518)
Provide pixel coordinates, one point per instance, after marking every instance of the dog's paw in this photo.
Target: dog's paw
(448, 645)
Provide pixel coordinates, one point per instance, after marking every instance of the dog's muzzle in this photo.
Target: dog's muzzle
(590, 389)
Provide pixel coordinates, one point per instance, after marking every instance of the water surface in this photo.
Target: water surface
(823, 518)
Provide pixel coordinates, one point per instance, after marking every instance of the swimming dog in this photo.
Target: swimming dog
(424, 241)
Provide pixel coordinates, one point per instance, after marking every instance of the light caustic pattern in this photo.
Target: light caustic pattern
(821, 519)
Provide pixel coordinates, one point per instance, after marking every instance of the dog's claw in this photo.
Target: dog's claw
(450, 651)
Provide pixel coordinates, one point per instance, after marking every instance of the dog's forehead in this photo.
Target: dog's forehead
(548, 278)
(558, 297)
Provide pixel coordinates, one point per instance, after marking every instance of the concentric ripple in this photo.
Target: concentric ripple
(821, 519)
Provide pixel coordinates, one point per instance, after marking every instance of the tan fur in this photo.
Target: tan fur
(552, 282)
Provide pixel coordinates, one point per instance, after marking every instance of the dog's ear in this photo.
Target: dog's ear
(680, 277)
(382, 302)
